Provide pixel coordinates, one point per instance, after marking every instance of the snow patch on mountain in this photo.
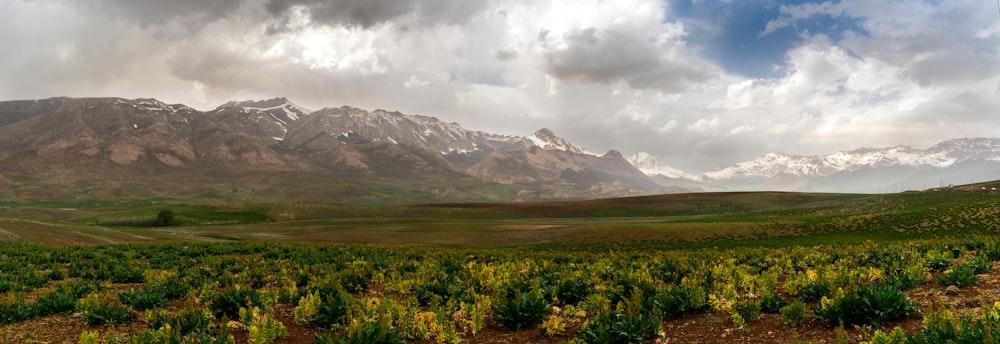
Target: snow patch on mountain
(281, 110)
(652, 166)
(546, 139)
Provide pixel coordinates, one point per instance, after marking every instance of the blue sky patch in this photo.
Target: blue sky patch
(729, 33)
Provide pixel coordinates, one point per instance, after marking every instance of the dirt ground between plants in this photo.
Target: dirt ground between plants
(696, 328)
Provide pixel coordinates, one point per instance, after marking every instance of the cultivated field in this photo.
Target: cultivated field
(690, 268)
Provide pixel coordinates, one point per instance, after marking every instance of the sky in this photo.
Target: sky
(699, 84)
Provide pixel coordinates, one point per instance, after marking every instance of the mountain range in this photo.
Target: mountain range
(865, 170)
(273, 149)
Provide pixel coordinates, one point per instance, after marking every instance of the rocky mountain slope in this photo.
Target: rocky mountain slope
(247, 144)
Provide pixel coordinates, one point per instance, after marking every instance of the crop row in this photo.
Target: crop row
(366, 294)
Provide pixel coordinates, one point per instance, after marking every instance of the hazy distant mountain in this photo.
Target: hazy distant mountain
(90, 143)
(652, 166)
(955, 161)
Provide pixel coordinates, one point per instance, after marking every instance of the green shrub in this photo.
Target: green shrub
(872, 304)
(620, 328)
(124, 274)
(355, 280)
(143, 299)
(942, 327)
(108, 314)
(906, 279)
(771, 303)
(370, 333)
(524, 310)
(571, 292)
(980, 265)
(59, 301)
(16, 312)
(794, 313)
(813, 291)
(961, 275)
(938, 263)
(229, 301)
(334, 309)
(749, 310)
(441, 290)
(674, 302)
(185, 322)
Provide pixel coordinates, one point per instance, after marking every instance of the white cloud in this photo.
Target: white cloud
(606, 74)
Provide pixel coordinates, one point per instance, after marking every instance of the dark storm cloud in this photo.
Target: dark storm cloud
(368, 13)
(614, 55)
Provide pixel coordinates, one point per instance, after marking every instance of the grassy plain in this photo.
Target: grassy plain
(666, 221)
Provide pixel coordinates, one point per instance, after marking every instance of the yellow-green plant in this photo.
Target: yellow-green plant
(261, 327)
(89, 337)
(308, 306)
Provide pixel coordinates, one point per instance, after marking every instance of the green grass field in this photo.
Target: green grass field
(676, 220)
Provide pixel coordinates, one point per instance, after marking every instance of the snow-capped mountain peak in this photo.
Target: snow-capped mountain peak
(281, 109)
(546, 139)
(942, 155)
(652, 166)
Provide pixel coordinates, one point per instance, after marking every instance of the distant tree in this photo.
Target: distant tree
(165, 217)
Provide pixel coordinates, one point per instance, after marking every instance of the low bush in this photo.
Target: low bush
(961, 275)
(871, 304)
(571, 292)
(749, 310)
(57, 302)
(942, 327)
(814, 291)
(674, 302)
(143, 299)
(108, 314)
(334, 308)
(16, 312)
(771, 303)
(185, 322)
(370, 333)
(620, 328)
(523, 310)
(794, 313)
(229, 301)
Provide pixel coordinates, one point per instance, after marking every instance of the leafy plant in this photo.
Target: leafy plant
(229, 301)
(771, 303)
(980, 265)
(59, 301)
(871, 304)
(942, 327)
(813, 291)
(749, 310)
(938, 263)
(620, 328)
(793, 314)
(16, 312)
(143, 299)
(674, 301)
(106, 314)
(185, 322)
(961, 275)
(334, 309)
(571, 292)
(369, 333)
(524, 310)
